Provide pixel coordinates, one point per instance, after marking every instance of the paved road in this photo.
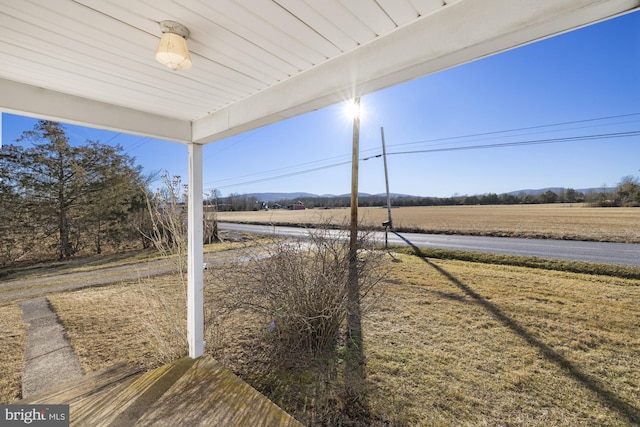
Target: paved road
(571, 250)
(607, 253)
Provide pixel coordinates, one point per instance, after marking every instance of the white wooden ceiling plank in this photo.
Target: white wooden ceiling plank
(137, 44)
(283, 18)
(371, 14)
(58, 69)
(125, 12)
(344, 19)
(425, 7)
(79, 22)
(48, 42)
(69, 34)
(96, 51)
(259, 31)
(242, 77)
(237, 54)
(319, 23)
(401, 11)
(109, 72)
(217, 45)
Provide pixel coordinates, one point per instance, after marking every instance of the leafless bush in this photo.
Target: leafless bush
(168, 235)
(169, 221)
(299, 289)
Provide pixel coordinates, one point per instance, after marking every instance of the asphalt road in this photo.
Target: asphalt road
(606, 253)
(571, 250)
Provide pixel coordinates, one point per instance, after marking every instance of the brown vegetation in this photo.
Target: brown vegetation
(552, 221)
(12, 341)
(448, 342)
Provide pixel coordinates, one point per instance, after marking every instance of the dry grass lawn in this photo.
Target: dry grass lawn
(13, 334)
(141, 323)
(557, 221)
(466, 344)
(449, 343)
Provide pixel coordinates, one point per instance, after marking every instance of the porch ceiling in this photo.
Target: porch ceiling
(255, 62)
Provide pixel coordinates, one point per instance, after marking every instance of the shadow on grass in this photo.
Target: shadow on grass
(355, 390)
(610, 399)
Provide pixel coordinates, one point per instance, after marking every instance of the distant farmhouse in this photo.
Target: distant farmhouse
(297, 206)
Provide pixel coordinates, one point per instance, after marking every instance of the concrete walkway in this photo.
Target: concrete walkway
(49, 359)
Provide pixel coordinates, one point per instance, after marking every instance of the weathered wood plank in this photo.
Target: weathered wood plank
(85, 386)
(209, 394)
(189, 392)
(123, 406)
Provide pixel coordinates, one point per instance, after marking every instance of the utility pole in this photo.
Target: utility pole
(355, 154)
(386, 179)
(354, 339)
(388, 224)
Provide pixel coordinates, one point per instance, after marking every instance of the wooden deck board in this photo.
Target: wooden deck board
(86, 385)
(209, 394)
(189, 392)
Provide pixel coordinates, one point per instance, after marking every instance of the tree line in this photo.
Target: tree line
(627, 193)
(59, 200)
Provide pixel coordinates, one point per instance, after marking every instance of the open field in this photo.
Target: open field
(553, 221)
(448, 343)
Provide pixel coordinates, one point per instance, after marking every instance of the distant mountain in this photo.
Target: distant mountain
(392, 195)
(274, 197)
(538, 191)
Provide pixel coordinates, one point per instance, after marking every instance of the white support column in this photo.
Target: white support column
(195, 291)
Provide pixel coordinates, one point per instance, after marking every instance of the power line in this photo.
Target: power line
(463, 148)
(453, 139)
(473, 135)
(286, 175)
(138, 144)
(521, 143)
(290, 167)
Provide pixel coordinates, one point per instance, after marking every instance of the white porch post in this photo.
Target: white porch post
(195, 292)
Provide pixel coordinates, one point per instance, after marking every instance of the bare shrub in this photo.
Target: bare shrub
(168, 232)
(298, 289)
(165, 320)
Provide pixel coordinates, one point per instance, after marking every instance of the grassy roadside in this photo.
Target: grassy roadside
(449, 342)
(624, 272)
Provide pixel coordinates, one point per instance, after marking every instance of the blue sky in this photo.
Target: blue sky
(527, 118)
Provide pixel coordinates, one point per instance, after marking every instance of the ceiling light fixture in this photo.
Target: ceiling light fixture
(172, 50)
